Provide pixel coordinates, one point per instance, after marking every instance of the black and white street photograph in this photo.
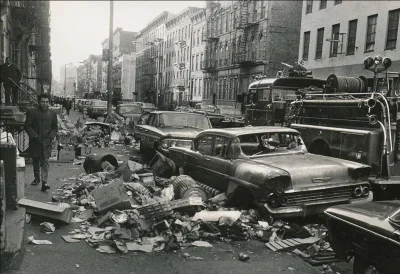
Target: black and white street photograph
(209, 137)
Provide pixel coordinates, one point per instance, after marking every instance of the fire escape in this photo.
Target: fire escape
(246, 46)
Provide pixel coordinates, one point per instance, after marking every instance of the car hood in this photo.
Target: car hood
(131, 115)
(310, 170)
(189, 133)
(373, 216)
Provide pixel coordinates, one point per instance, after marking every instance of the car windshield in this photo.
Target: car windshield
(395, 218)
(130, 109)
(228, 111)
(253, 145)
(181, 120)
(99, 103)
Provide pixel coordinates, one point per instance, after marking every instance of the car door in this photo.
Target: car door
(143, 129)
(216, 165)
(195, 159)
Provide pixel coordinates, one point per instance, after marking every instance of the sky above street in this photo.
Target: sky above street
(79, 27)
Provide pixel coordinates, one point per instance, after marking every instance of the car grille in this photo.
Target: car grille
(315, 196)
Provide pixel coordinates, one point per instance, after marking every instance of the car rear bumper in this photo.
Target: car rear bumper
(313, 208)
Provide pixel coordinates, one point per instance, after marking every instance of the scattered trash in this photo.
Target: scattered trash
(244, 257)
(31, 240)
(201, 244)
(69, 239)
(47, 227)
(214, 216)
(46, 210)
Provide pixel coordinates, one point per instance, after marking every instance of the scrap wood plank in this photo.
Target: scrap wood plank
(284, 245)
(47, 210)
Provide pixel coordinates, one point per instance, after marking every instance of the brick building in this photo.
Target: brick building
(336, 36)
(178, 56)
(244, 39)
(150, 61)
(197, 54)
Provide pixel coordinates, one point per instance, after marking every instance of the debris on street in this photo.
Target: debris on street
(31, 240)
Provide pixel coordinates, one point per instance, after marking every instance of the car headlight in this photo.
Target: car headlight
(167, 143)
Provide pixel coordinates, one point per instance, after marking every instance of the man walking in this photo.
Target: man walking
(10, 77)
(68, 105)
(41, 125)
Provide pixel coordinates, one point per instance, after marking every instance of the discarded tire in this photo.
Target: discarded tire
(185, 187)
(93, 163)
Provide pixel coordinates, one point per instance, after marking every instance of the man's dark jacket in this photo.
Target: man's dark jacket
(12, 72)
(43, 124)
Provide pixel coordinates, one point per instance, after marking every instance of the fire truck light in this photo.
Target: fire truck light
(387, 62)
(368, 62)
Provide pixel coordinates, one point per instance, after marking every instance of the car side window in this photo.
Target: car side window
(204, 145)
(152, 120)
(220, 147)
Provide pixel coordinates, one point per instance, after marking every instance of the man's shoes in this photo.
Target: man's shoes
(35, 182)
(45, 186)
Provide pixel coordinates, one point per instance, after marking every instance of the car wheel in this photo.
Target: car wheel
(364, 266)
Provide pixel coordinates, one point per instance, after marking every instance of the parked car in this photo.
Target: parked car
(270, 168)
(97, 108)
(231, 117)
(160, 130)
(132, 112)
(81, 104)
(368, 232)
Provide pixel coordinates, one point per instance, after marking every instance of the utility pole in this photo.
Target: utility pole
(110, 64)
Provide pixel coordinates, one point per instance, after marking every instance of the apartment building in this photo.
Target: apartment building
(104, 66)
(197, 54)
(123, 46)
(245, 39)
(336, 36)
(178, 56)
(68, 79)
(25, 38)
(150, 61)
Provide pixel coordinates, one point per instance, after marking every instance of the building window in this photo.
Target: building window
(306, 45)
(198, 36)
(226, 22)
(320, 43)
(351, 38)
(337, 2)
(322, 4)
(309, 6)
(393, 26)
(335, 38)
(262, 15)
(371, 31)
(197, 61)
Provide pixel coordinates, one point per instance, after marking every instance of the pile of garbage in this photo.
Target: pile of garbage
(135, 207)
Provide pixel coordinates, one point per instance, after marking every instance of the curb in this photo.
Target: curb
(12, 255)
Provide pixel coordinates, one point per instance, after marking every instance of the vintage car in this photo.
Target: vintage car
(231, 117)
(270, 168)
(97, 108)
(160, 130)
(368, 232)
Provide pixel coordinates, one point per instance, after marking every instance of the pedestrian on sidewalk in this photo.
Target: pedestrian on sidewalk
(68, 105)
(41, 125)
(10, 76)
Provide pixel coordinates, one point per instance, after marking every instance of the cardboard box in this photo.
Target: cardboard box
(54, 145)
(110, 196)
(84, 151)
(54, 155)
(66, 155)
(46, 210)
(68, 148)
(64, 139)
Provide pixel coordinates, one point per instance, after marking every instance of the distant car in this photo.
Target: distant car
(97, 108)
(368, 232)
(81, 104)
(160, 130)
(270, 168)
(231, 117)
(132, 112)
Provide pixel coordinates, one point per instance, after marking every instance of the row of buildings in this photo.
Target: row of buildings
(212, 54)
(25, 38)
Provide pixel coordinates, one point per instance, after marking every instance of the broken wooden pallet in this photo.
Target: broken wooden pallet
(290, 244)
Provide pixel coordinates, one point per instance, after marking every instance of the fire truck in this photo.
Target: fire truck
(353, 120)
(267, 99)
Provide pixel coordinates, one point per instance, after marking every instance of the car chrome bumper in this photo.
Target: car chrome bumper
(315, 208)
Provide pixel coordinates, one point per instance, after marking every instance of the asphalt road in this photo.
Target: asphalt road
(62, 257)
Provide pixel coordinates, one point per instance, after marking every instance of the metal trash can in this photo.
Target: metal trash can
(185, 187)
(93, 163)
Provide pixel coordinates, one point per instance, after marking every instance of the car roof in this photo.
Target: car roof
(186, 113)
(233, 132)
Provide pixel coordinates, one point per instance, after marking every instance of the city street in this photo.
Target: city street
(62, 257)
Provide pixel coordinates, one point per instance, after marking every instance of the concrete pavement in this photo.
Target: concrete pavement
(62, 257)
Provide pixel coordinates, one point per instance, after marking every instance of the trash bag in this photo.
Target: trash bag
(163, 167)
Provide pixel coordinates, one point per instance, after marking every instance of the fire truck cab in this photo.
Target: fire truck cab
(351, 120)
